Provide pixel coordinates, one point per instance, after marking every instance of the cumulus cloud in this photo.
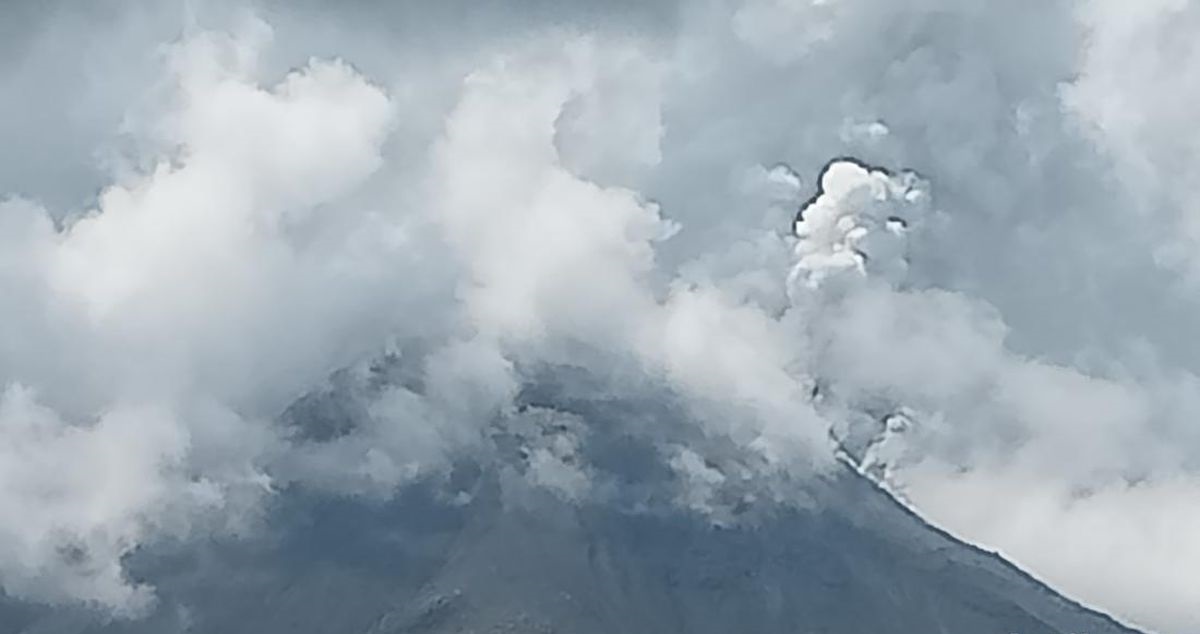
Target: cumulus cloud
(1119, 96)
(554, 262)
(333, 251)
(154, 336)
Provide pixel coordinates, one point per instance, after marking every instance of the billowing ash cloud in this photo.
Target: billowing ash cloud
(248, 250)
(858, 224)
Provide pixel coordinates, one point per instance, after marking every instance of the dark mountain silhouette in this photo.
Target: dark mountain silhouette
(517, 558)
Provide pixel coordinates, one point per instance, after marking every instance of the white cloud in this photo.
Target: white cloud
(159, 331)
(563, 187)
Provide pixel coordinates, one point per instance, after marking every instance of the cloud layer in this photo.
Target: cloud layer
(220, 218)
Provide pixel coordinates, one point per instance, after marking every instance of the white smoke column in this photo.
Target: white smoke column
(852, 238)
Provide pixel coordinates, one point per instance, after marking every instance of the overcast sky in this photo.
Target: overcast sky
(209, 208)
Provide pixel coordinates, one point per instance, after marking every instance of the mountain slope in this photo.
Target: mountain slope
(863, 565)
(488, 550)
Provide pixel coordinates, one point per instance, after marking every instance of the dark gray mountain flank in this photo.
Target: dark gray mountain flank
(486, 551)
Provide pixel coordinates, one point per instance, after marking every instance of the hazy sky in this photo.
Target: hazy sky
(209, 208)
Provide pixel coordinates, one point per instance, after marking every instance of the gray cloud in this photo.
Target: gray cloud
(215, 210)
